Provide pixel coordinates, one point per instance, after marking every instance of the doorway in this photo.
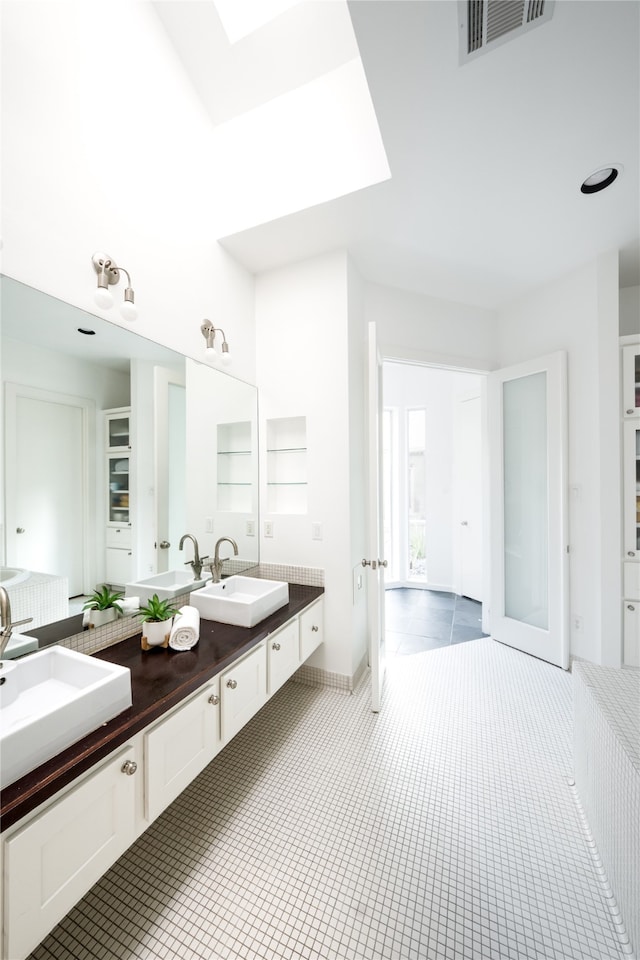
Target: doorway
(433, 505)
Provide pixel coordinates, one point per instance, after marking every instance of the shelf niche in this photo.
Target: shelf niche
(287, 465)
(234, 466)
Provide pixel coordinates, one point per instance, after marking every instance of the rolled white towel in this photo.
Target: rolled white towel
(185, 631)
(130, 605)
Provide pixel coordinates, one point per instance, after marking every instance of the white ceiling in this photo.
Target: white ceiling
(486, 159)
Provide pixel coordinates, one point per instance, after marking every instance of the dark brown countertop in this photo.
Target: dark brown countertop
(160, 679)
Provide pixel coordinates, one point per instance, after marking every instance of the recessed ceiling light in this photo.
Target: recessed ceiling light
(86, 331)
(601, 179)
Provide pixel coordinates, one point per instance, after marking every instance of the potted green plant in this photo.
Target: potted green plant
(103, 605)
(157, 618)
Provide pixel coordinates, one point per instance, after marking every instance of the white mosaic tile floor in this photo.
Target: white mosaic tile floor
(441, 829)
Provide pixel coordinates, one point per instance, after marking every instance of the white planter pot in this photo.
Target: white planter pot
(97, 618)
(156, 633)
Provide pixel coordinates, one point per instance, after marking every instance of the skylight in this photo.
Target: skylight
(242, 17)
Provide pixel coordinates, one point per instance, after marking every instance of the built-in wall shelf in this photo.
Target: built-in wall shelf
(287, 465)
(234, 466)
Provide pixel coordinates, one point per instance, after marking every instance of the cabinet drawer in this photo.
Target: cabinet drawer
(243, 690)
(118, 566)
(283, 656)
(178, 748)
(311, 630)
(119, 537)
(632, 581)
(631, 632)
(55, 858)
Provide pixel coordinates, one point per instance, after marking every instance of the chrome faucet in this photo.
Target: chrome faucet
(216, 565)
(6, 627)
(198, 562)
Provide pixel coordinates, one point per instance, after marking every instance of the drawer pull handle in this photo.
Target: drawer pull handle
(129, 767)
(630, 606)
(214, 700)
(314, 629)
(631, 411)
(275, 646)
(630, 553)
(232, 684)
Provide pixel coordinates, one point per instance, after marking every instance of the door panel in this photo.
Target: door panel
(529, 534)
(376, 529)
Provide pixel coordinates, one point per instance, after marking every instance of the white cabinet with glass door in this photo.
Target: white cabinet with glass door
(631, 502)
(118, 568)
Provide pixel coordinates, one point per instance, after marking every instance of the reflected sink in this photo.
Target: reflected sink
(51, 699)
(167, 585)
(19, 644)
(242, 601)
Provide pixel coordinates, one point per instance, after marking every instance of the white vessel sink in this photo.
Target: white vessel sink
(167, 585)
(52, 698)
(242, 601)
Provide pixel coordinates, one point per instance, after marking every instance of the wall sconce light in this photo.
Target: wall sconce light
(108, 273)
(209, 333)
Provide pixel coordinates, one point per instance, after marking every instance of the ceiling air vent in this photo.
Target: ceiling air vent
(487, 23)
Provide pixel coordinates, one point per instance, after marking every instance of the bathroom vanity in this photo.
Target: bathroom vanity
(65, 823)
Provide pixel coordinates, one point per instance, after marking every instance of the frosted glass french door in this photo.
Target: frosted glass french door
(528, 455)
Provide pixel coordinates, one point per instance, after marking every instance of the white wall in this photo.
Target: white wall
(629, 311)
(425, 329)
(303, 349)
(579, 314)
(106, 148)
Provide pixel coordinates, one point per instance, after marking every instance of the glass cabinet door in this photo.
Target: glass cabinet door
(118, 476)
(118, 431)
(632, 490)
(631, 380)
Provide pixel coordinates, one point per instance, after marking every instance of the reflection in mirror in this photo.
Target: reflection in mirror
(114, 447)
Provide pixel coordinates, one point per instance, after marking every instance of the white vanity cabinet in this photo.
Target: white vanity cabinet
(55, 854)
(283, 655)
(311, 629)
(51, 861)
(243, 690)
(179, 747)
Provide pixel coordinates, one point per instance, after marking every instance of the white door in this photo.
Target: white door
(170, 451)
(374, 562)
(46, 484)
(529, 529)
(468, 459)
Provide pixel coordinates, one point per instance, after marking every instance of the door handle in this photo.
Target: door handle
(19, 529)
(164, 544)
(374, 564)
(464, 523)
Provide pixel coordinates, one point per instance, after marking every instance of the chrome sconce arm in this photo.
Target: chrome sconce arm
(209, 333)
(109, 273)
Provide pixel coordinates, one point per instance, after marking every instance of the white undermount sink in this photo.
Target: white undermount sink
(166, 585)
(242, 601)
(51, 699)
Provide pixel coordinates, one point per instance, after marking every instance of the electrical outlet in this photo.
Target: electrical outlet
(208, 524)
(316, 531)
(251, 528)
(268, 528)
(577, 624)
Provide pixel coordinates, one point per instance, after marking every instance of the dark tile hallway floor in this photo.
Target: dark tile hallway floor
(419, 620)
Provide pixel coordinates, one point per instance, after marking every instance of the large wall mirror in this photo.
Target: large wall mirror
(114, 448)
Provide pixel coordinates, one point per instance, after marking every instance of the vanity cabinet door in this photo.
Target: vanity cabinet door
(311, 629)
(631, 632)
(58, 855)
(178, 748)
(243, 690)
(283, 655)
